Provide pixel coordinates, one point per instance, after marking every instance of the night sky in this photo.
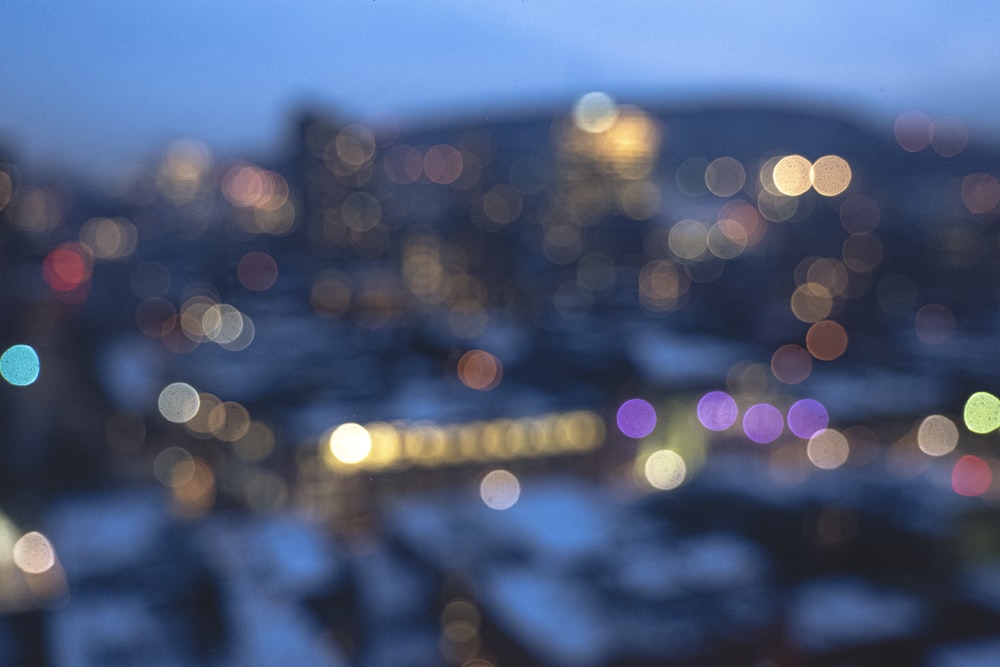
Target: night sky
(101, 85)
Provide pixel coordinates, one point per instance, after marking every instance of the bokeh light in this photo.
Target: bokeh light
(480, 370)
(350, 443)
(791, 175)
(971, 476)
(912, 130)
(934, 324)
(717, 411)
(807, 417)
(724, 176)
(980, 193)
(791, 364)
(830, 175)
(500, 489)
(811, 302)
(982, 412)
(636, 418)
(257, 271)
(763, 423)
(68, 266)
(665, 469)
(828, 449)
(826, 340)
(179, 402)
(19, 365)
(937, 435)
(33, 553)
(595, 112)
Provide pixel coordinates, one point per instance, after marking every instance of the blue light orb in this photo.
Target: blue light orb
(19, 365)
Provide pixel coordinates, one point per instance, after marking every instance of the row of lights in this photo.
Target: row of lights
(377, 446)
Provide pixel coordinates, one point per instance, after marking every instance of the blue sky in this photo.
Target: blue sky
(102, 84)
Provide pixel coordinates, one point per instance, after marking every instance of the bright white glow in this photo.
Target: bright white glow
(665, 470)
(500, 490)
(179, 402)
(350, 443)
(33, 553)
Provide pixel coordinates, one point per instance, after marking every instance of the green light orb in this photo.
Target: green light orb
(19, 365)
(982, 412)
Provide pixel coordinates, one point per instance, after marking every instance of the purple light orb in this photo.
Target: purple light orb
(717, 411)
(636, 418)
(763, 423)
(807, 417)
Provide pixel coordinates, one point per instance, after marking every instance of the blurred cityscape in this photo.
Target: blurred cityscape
(602, 386)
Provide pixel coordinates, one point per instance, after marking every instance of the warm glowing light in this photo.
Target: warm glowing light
(109, 238)
(231, 421)
(33, 553)
(688, 239)
(174, 466)
(807, 417)
(665, 469)
(661, 285)
(350, 443)
(68, 266)
(179, 402)
(791, 175)
(934, 324)
(19, 365)
(727, 239)
(636, 418)
(937, 435)
(257, 271)
(717, 411)
(791, 364)
(830, 175)
(500, 489)
(478, 369)
(971, 476)
(595, 112)
(826, 340)
(442, 164)
(811, 302)
(763, 423)
(828, 449)
(982, 412)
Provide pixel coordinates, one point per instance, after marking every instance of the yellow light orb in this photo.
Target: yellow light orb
(350, 443)
(791, 175)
